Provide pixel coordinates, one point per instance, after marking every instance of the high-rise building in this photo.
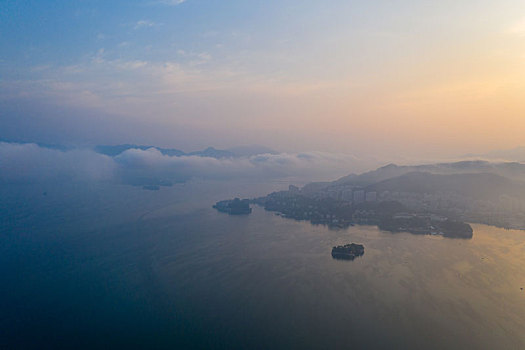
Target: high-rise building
(371, 196)
(359, 196)
(346, 195)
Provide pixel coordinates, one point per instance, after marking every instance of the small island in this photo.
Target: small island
(234, 206)
(348, 251)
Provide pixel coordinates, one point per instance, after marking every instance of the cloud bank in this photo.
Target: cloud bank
(30, 163)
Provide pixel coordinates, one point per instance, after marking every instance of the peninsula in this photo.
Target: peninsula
(389, 215)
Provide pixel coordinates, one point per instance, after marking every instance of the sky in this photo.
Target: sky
(369, 78)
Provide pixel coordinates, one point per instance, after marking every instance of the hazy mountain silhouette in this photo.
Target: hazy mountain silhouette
(515, 154)
(511, 170)
(484, 186)
(235, 152)
(114, 150)
(251, 150)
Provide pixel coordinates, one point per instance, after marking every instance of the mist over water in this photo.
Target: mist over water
(114, 265)
(135, 135)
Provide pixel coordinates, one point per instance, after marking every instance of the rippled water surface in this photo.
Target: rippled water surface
(129, 267)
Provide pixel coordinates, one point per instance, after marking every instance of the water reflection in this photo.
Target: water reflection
(190, 277)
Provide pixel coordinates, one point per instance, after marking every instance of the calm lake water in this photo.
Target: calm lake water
(116, 266)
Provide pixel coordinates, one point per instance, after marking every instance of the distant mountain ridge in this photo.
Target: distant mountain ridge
(514, 154)
(481, 186)
(513, 170)
(115, 150)
(473, 191)
(236, 152)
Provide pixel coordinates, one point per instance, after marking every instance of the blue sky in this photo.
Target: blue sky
(289, 74)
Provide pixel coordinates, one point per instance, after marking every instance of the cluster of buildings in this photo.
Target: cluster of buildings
(353, 195)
